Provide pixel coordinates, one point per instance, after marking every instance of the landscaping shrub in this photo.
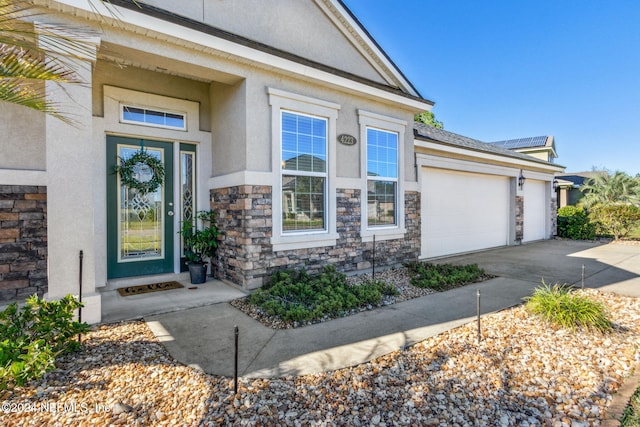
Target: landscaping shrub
(34, 335)
(440, 277)
(631, 415)
(297, 296)
(574, 223)
(562, 306)
(615, 220)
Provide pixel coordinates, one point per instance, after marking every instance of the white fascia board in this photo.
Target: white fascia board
(189, 36)
(483, 156)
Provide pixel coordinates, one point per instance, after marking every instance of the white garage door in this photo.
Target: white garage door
(462, 212)
(535, 211)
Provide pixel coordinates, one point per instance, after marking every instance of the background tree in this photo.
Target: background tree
(428, 118)
(607, 189)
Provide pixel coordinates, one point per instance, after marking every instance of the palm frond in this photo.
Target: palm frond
(31, 94)
(32, 54)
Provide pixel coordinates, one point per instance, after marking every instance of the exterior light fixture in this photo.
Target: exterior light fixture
(521, 180)
(555, 184)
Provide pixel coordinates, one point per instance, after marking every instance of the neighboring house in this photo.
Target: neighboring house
(541, 147)
(569, 186)
(304, 146)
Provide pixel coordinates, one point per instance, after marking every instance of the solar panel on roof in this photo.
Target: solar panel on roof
(533, 141)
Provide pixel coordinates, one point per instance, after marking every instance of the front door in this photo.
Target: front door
(140, 226)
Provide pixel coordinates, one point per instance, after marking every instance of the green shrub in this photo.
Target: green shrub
(34, 335)
(631, 415)
(297, 296)
(560, 305)
(616, 220)
(440, 277)
(574, 223)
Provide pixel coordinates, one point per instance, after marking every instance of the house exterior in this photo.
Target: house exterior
(304, 146)
(569, 186)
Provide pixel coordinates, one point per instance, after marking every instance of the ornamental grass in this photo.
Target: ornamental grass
(561, 305)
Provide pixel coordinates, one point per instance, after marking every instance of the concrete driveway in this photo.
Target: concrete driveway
(611, 267)
(203, 337)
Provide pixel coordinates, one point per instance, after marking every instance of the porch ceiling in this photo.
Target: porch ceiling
(128, 57)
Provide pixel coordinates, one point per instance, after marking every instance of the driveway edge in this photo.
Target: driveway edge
(621, 399)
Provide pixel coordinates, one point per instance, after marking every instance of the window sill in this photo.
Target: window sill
(303, 241)
(383, 234)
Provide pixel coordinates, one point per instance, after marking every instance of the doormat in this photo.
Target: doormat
(143, 289)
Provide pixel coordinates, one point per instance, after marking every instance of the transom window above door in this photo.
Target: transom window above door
(151, 117)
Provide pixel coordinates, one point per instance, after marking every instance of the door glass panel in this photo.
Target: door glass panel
(141, 216)
(187, 187)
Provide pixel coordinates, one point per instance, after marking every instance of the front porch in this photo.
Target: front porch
(116, 308)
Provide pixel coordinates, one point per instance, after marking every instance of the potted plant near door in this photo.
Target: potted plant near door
(200, 244)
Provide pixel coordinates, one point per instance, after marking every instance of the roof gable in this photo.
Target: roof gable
(322, 33)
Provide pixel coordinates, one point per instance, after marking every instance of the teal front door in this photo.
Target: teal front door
(140, 225)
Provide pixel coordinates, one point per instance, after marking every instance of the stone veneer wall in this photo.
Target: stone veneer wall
(23, 241)
(554, 217)
(519, 218)
(245, 254)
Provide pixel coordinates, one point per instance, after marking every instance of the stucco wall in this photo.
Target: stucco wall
(294, 26)
(347, 157)
(107, 73)
(229, 115)
(22, 145)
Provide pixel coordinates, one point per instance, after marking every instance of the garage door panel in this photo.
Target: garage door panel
(463, 212)
(535, 211)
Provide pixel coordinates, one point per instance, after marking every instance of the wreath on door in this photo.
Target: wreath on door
(141, 171)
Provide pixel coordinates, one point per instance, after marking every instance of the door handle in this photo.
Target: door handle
(170, 213)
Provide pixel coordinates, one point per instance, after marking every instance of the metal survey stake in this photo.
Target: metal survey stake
(80, 292)
(478, 310)
(235, 362)
(373, 260)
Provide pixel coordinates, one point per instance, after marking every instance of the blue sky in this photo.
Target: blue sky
(503, 69)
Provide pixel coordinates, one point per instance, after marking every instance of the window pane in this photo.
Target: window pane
(381, 203)
(304, 143)
(175, 120)
(289, 123)
(153, 117)
(133, 114)
(382, 153)
(304, 162)
(289, 142)
(303, 203)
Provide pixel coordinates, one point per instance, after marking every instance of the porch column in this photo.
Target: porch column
(70, 176)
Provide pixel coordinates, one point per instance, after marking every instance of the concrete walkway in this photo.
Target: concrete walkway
(204, 336)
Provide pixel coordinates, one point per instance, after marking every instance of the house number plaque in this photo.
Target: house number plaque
(347, 139)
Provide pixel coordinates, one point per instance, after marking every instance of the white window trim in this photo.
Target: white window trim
(280, 100)
(366, 120)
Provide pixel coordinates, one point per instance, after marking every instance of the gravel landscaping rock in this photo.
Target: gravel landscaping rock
(523, 373)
